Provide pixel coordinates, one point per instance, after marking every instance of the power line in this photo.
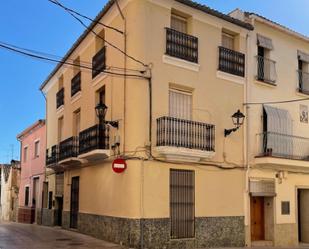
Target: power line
(86, 17)
(44, 58)
(59, 57)
(97, 35)
(277, 102)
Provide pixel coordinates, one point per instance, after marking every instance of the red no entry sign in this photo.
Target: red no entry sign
(119, 165)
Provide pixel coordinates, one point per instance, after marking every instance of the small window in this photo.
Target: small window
(25, 154)
(37, 149)
(60, 129)
(228, 41)
(76, 124)
(60, 82)
(179, 23)
(50, 200)
(285, 208)
(99, 41)
(180, 104)
(27, 196)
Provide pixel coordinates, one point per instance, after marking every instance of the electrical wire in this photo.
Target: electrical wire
(276, 102)
(44, 58)
(71, 60)
(86, 17)
(97, 35)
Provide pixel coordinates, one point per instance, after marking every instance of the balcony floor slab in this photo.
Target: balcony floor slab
(184, 154)
(95, 155)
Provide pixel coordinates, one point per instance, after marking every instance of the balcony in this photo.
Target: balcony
(94, 143)
(68, 151)
(99, 62)
(282, 150)
(52, 155)
(181, 45)
(303, 82)
(60, 98)
(76, 84)
(185, 140)
(231, 62)
(266, 70)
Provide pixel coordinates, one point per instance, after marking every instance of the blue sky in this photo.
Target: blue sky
(39, 25)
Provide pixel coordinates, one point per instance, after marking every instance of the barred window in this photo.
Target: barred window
(182, 203)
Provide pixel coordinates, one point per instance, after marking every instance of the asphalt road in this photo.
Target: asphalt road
(24, 236)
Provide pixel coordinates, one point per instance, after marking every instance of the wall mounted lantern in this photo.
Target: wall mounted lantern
(238, 120)
(101, 110)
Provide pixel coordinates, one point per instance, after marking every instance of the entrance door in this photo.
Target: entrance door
(303, 215)
(74, 202)
(59, 201)
(257, 219)
(35, 197)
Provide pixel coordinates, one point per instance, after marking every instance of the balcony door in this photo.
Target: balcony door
(74, 202)
(180, 104)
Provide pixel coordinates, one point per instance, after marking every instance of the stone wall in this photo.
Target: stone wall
(220, 232)
(286, 235)
(66, 219)
(210, 231)
(48, 217)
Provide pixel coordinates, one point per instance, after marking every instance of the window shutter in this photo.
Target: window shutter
(179, 23)
(180, 104)
(228, 41)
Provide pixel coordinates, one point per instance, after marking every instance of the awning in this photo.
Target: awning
(262, 188)
(264, 42)
(303, 56)
(278, 120)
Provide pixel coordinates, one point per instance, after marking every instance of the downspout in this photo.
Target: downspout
(43, 197)
(125, 71)
(247, 136)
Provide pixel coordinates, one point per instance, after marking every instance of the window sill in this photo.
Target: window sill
(99, 78)
(231, 77)
(265, 83)
(76, 97)
(60, 109)
(181, 63)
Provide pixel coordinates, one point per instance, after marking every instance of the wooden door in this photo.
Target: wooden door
(74, 202)
(257, 219)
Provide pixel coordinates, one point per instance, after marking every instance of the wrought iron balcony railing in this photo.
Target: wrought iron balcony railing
(189, 134)
(231, 61)
(99, 62)
(181, 45)
(279, 145)
(93, 138)
(303, 82)
(60, 97)
(76, 84)
(266, 70)
(68, 148)
(52, 155)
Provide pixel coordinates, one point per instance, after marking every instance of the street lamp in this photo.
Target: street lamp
(238, 120)
(101, 110)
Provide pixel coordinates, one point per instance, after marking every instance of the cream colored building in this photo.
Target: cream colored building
(184, 185)
(276, 206)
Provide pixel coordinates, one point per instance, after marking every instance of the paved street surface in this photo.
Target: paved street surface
(23, 236)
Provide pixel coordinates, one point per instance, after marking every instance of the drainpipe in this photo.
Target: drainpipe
(43, 197)
(125, 70)
(247, 128)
